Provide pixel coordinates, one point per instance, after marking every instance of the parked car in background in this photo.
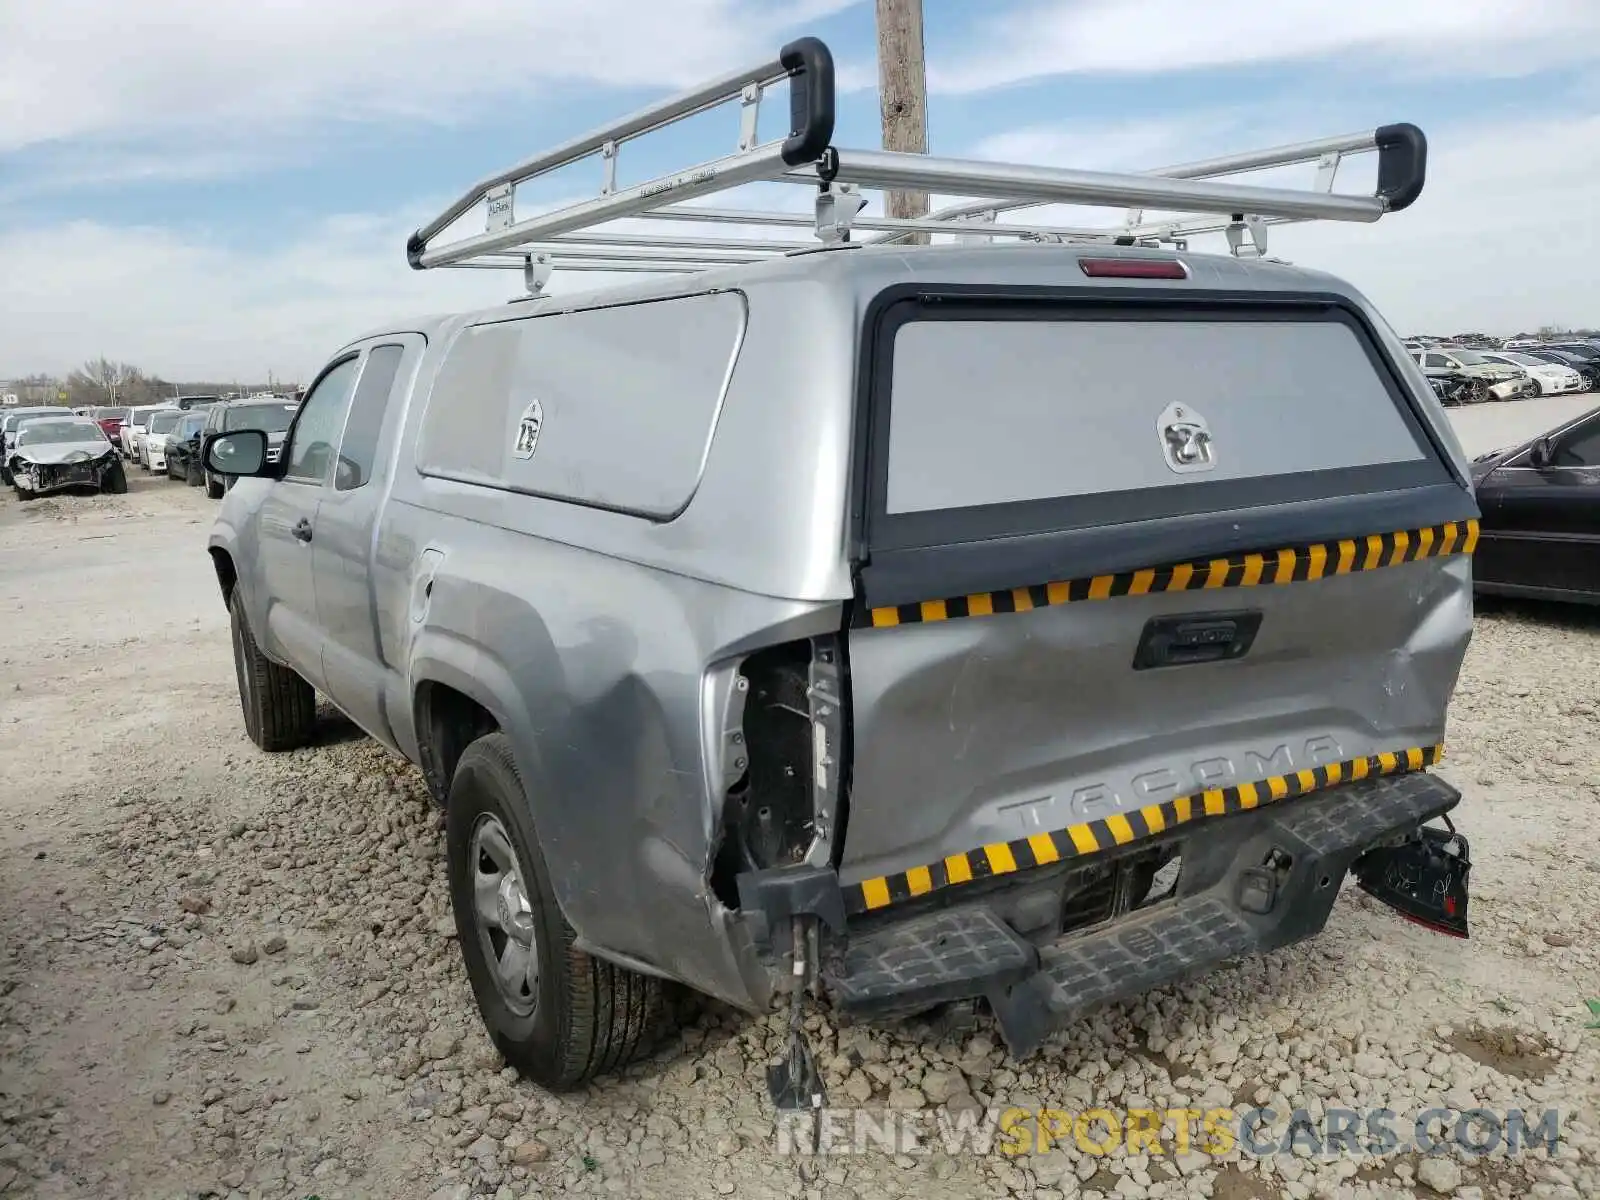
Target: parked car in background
(1588, 348)
(133, 429)
(1550, 379)
(1502, 382)
(110, 420)
(10, 421)
(153, 449)
(189, 402)
(183, 448)
(54, 454)
(1540, 530)
(271, 416)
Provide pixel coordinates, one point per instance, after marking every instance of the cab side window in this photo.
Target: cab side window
(313, 443)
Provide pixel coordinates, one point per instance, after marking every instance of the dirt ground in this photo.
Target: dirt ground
(228, 974)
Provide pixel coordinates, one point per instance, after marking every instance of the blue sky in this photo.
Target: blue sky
(215, 187)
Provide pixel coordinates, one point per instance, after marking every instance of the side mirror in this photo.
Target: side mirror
(1543, 453)
(243, 452)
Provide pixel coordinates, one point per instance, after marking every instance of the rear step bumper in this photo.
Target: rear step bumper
(1227, 904)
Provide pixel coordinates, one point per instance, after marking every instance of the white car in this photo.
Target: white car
(153, 445)
(1552, 378)
(132, 435)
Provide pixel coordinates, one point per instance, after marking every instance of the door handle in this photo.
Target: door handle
(302, 530)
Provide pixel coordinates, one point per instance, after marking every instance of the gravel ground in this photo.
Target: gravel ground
(228, 974)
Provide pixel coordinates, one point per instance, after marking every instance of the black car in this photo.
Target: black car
(1588, 367)
(1581, 350)
(270, 414)
(1540, 531)
(183, 449)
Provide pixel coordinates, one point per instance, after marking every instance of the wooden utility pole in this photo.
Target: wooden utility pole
(903, 96)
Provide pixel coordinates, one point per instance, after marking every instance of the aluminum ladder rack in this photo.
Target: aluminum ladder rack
(581, 236)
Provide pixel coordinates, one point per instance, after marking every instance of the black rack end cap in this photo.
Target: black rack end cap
(1402, 165)
(414, 248)
(811, 99)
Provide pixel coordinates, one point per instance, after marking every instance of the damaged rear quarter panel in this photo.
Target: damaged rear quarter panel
(601, 672)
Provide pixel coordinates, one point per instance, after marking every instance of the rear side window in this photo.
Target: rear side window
(360, 445)
(612, 408)
(995, 419)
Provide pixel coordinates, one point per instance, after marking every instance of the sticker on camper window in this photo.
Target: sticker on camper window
(528, 431)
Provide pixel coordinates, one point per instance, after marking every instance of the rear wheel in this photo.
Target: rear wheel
(280, 708)
(558, 1015)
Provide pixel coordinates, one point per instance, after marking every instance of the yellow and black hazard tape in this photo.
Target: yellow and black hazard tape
(1121, 829)
(1297, 564)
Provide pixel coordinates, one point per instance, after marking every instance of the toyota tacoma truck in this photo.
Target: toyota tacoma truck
(890, 626)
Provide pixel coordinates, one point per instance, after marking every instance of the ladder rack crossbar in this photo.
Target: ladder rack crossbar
(579, 235)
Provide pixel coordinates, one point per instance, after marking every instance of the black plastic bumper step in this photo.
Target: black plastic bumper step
(944, 955)
(1143, 951)
(1227, 905)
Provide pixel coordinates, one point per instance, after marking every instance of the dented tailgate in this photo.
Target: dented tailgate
(1130, 561)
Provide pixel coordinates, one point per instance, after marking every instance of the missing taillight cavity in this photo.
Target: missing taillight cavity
(1133, 268)
(783, 807)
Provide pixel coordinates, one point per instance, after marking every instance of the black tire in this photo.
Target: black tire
(213, 488)
(590, 1017)
(192, 475)
(116, 480)
(22, 495)
(280, 708)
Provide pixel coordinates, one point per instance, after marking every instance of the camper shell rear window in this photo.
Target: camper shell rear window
(997, 415)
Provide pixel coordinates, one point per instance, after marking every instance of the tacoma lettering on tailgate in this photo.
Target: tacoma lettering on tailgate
(1095, 800)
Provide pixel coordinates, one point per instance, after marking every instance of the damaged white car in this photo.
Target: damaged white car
(56, 455)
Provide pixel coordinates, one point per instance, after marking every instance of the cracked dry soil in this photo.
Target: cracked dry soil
(233, 975)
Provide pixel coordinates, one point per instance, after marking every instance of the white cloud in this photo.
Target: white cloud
(234, 70)
(1454, 37)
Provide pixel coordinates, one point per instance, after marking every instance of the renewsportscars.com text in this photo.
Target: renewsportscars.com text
(1257, 1132)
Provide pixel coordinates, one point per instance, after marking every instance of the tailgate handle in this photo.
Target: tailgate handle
(1195, 638)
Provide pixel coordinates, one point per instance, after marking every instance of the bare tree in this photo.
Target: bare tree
(103, 381)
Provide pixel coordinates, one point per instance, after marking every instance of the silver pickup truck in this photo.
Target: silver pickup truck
(902, 625)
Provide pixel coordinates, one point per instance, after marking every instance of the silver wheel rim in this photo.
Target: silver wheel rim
(503, 916)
